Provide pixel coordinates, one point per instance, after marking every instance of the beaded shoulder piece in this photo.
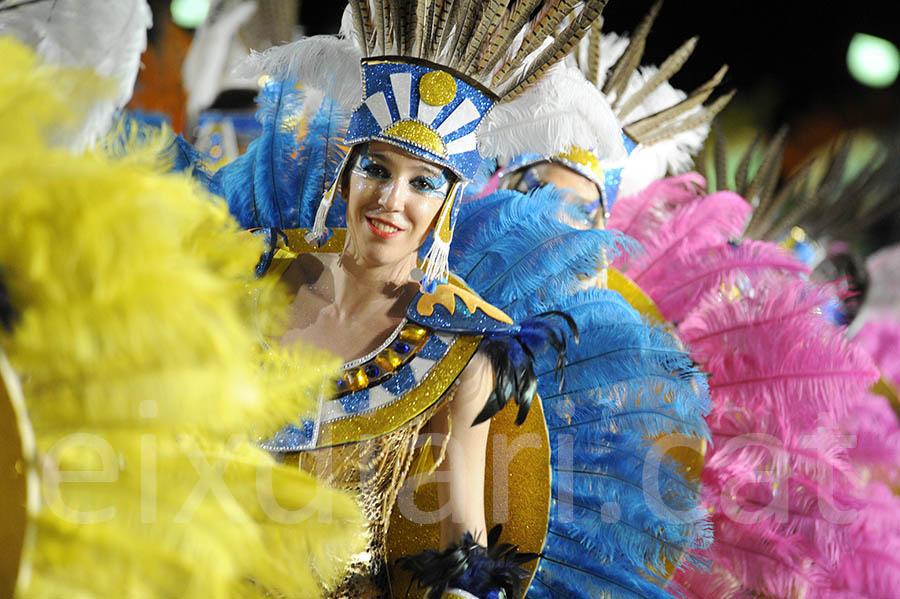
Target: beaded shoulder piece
(414, 367)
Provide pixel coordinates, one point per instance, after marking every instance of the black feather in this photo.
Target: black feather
(470, 566)
(512, 355)
(8, 314)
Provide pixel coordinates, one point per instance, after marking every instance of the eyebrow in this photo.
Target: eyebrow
(430, 171)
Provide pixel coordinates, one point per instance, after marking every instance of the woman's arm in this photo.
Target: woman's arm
(461, 480)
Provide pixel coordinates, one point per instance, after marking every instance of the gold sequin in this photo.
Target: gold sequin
(389, 418)
(445, 295)
(418, 135)
(437, 88)
(517, 492)
(634, 295)
(584, 158)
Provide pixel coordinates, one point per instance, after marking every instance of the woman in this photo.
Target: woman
(410, 336)
(351, 303)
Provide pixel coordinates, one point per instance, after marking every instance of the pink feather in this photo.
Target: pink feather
(707, 222)
(638, 215)
(871, 566)
(789, 398)
(680, 285)
(881, 339)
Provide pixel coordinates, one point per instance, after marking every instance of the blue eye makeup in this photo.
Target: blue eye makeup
(431, 185)
(366, 167)
(423, 184)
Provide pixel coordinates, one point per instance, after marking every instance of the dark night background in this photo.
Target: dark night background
(787, 62)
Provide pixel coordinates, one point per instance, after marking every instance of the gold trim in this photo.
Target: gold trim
(528, 500)
(415, 133)
(634, 295)
(383, 420)
(298, 245)
(445, 295)
(17, 462)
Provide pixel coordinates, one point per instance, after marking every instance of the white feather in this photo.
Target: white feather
(105, 36)
(215, 48)
(560, 111)
(322, 62)
(672, 155)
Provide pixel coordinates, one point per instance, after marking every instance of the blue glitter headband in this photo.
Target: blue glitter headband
(424, 108)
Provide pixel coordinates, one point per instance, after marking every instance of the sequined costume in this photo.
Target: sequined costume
(626, 387)
(365, 437)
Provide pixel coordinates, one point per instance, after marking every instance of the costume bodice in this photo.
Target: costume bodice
(364, 435)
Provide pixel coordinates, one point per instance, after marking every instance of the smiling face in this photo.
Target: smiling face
(393, 199)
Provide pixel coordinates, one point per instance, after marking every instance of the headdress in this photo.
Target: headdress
(434, 75)
(661, 126)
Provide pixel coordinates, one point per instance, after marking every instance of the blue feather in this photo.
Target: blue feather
(626, 383)
(280, 180)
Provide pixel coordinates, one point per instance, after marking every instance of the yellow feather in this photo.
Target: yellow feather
(142, 371)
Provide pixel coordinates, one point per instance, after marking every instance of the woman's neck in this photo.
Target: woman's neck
(360, 288)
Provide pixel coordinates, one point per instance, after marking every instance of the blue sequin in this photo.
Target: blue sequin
(461, 321)
(377, 79)
(402, 381)
(434, 349)
(401, 348)
(356, 401)
(291, 437)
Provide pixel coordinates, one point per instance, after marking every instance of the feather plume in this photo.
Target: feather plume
(561, 47)
(512, 26)
(593, 50)
(669, 67)
(615, 85)
(625, 384)
(714, 220)
(356, 28)
(328, 64)
(642, 214)
(880, 338)
(648, 125)
(89, 34)
(136, 354)
(786, 390)
(280, 180)
(488, 20)
(561, 111)
(680, 286)
(688, 123)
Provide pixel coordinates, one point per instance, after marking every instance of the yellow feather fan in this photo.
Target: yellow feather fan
(136, 341)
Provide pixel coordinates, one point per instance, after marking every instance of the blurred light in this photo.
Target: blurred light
(189, 14)
(873, 61)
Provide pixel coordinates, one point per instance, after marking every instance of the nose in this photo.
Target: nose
(393, 198)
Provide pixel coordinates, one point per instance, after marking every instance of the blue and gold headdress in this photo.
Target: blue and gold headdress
(433, 73)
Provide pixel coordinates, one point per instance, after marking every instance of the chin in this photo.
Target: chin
(374, 251)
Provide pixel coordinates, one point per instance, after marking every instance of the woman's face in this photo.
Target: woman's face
(576, 189)
(393, 199)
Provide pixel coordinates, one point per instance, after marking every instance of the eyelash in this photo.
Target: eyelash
(377, 171)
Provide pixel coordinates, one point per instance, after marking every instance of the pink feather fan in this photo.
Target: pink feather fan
(796, 433)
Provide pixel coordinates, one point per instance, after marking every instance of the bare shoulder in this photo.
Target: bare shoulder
(475, 384)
